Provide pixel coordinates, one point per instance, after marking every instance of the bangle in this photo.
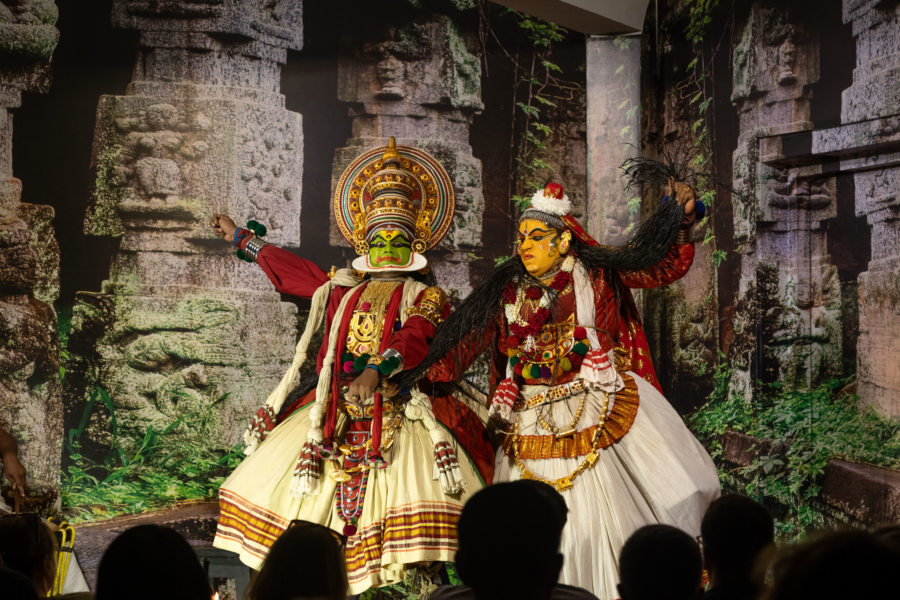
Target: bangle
(252, 248)
(374, 368)
(392, 362)
(684, 235)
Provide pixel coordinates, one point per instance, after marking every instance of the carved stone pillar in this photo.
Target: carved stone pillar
(613, 133)
(789, 302)
(30, 397)
(874, 93)
(201, 129)
(421, 84)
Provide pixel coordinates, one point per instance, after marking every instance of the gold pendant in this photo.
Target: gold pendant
(564, 434)
(340, 476)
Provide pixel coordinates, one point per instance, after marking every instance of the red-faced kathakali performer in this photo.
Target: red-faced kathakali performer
(376, 464)
(573, 385)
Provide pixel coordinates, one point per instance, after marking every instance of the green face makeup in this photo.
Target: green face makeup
(389, 249)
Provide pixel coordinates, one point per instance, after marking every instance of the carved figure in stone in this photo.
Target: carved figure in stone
(403, 45)
(787, 57)
(574, 389)
(352, 450)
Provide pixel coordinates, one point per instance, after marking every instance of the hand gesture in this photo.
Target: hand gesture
(683, 194)
(223, 226)
(363, 386)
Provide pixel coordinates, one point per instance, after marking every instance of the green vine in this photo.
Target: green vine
(539, 89)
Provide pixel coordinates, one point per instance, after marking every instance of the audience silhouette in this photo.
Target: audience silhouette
(660, 562)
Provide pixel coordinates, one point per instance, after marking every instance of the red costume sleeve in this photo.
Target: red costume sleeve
(452, 366)
(671, 268)
(411, 340)
(289, 273)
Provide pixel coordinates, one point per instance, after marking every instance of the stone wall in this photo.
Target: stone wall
(30, 398)
(865, 147)
(182, 327)
(421, 83)
(789, 289)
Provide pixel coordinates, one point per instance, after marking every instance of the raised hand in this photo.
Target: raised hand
(684, 195)
(223, 226)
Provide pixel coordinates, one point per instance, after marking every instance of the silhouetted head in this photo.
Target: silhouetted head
(660, 562)
(836, 566)
(28, 546)
(735, 531)
(513, 529)
(149, 562)
(306, 561)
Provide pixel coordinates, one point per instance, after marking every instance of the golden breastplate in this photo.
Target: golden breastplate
(367, 321)
(554, 341)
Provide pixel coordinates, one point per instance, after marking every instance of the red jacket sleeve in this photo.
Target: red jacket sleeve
(671, 268)
(289, 273)
(452, 366)
(412, 339)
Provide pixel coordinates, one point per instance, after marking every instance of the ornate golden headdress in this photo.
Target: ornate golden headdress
(394, 187)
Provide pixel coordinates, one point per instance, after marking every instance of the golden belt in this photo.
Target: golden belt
(557, 392)
(366, 412)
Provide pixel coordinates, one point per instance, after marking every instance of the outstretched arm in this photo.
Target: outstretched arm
(680, 256)
(289, 273)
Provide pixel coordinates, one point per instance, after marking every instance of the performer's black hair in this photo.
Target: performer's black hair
(472, 319)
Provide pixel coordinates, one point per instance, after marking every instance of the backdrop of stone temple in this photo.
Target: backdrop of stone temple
(158, 115)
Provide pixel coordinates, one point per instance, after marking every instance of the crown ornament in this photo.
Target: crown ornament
(394, 187)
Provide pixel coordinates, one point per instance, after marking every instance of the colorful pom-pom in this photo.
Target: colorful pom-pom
(513, 361)
(565, 363)
(261, 230)
(349, 530)
(580, 333)
(580, 348)
(518, 368)
(546, 373)
(365, 307)
(348, 366)
(512, 341)
(252, 224)
(511, 352)
(576, 360)
(360, 362)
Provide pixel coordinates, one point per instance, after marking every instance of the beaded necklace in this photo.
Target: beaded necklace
(523, 331)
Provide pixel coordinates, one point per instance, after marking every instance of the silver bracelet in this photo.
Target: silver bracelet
(252, 248)
(390, 353)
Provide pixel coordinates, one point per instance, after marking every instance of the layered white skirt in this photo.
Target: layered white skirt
(656, 473)
(406, 517)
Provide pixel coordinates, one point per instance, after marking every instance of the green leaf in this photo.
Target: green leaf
(544, 101)
(620, 70)
(550, 66)
(541, 128)
(718, 257)
(531, 111)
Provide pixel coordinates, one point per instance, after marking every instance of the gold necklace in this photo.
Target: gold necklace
(563, 483)
(552, 428)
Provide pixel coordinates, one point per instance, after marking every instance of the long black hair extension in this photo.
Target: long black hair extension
(473, 318)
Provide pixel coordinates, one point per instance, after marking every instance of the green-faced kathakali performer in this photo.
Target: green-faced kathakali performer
(375, 463)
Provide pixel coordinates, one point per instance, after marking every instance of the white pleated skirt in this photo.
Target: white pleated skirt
(406, 517)
(657, 473)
